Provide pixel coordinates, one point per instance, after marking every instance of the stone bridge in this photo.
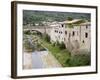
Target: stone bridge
(40, 29)
(34, 29)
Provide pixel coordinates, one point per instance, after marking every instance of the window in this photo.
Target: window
(69, 34)
(56, 31)
(66, 32)
(73, 33)
(62, 25)
(86, 26)
(86, 35)
(83, 41)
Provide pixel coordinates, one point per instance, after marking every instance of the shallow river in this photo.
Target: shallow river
(37, 60)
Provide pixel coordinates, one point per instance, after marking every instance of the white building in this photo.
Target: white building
(57, 32)
(73, 34)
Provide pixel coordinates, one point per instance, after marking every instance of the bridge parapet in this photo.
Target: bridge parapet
(41, 29)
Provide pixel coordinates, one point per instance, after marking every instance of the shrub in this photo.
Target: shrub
(27, 32)
(79, 60)
(53, 44)
(28, 46)
(57, 43)
(62, 45)
(69, 18)
(47, 37)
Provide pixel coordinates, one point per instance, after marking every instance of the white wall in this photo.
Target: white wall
(5, 43)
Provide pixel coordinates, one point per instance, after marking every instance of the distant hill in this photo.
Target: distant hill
(32, 17)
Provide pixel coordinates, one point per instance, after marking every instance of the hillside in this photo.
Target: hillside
(33, 17)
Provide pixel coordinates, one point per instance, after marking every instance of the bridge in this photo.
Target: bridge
(41, 29)
(36, 29)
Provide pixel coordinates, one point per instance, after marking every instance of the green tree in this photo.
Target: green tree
(47, 37)
(62, 45)
(27, 32)
(57, 43)
(79, 60)
(69, 18)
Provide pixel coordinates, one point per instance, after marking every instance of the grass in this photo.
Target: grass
(79, 60)
(60, 55)
(65, 58)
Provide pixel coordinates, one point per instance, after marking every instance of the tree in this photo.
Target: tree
(62, 45)
(79, 60)
(47, 37)
(27, 32)
(69, 18)
(57, 43)
(28, 46)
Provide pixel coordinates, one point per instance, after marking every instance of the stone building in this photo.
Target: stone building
(75, 34)
(57, 32)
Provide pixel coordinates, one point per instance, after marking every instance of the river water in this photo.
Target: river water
(37, 60)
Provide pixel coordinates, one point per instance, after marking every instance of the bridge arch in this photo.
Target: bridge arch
(28, 31)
